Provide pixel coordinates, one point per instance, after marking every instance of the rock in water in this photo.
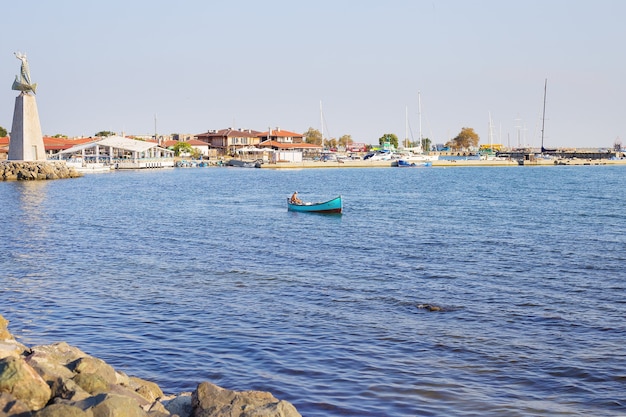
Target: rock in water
(430, 307)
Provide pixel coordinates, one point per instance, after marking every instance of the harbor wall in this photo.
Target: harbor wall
(35, 170)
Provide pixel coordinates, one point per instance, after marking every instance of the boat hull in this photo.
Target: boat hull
(333, 206)
(244, 164)
(408, 164)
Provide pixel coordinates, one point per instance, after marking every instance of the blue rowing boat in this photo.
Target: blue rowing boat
(333, 206)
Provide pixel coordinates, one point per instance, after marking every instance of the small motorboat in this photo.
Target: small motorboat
(408, 164)
(333, 206)
(245, 164)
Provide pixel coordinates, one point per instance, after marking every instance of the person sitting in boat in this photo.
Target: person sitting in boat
(295, 199)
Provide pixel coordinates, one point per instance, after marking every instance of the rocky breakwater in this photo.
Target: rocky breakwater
(36, 170)
(60, 380)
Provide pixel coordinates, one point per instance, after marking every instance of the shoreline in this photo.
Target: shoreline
(443, 163)
(60, 380)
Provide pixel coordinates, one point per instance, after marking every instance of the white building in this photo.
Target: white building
(118, 152)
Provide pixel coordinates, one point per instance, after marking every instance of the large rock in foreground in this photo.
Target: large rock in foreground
(23, 383)
(36, 170)
(212, 401)
(59, 380)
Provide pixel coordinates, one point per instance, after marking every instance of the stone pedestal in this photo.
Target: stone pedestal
(26, 141)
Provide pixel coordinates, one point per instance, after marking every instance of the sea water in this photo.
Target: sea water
(187, 275)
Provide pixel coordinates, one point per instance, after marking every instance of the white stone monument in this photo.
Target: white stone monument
(26, 140)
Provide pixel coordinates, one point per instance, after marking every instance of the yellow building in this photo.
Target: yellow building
(494, 147)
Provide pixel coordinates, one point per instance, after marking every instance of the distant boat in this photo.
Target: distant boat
(403, 163)
(416, 154)
(383, 155)
(245, 164)
(333, 206)
(413, 157)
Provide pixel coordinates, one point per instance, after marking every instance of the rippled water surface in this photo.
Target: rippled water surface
(186, 275)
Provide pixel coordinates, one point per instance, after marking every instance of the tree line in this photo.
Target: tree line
(314, 137)
(466, 139)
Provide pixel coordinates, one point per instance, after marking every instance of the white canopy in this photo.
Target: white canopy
(131, 145)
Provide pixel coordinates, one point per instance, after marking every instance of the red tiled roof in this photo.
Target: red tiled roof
(281, 134)
(55, 144)
(281, 145)
(168, 143)
(59, 144)
(195, 142)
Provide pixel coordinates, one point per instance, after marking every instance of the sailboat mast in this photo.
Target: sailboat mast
(543, 117)
(419, 113)
(406, 127)
(490, 133)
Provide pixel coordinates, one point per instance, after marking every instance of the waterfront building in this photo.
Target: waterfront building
(118, 152)
(228, 141)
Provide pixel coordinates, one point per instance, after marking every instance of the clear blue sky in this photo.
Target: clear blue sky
(199, 65)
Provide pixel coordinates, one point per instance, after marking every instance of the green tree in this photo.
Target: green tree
(3, 132)
(330, 143)
(465, 139)
(59, 135)
(426, 143)
(313, 136)
(345, 141)
(105, 133)
(183, 147)
(389, 137)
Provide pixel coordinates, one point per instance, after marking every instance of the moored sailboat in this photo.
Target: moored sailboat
(416, 154)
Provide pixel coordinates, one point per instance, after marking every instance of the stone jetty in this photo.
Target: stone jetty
(36, 170)
(60, 380)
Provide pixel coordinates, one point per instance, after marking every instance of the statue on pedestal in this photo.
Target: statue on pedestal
(26, 140)
(22, 82)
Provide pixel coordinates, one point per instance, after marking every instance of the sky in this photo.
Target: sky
(366, 68)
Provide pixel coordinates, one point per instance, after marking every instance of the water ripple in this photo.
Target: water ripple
(170, 276)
